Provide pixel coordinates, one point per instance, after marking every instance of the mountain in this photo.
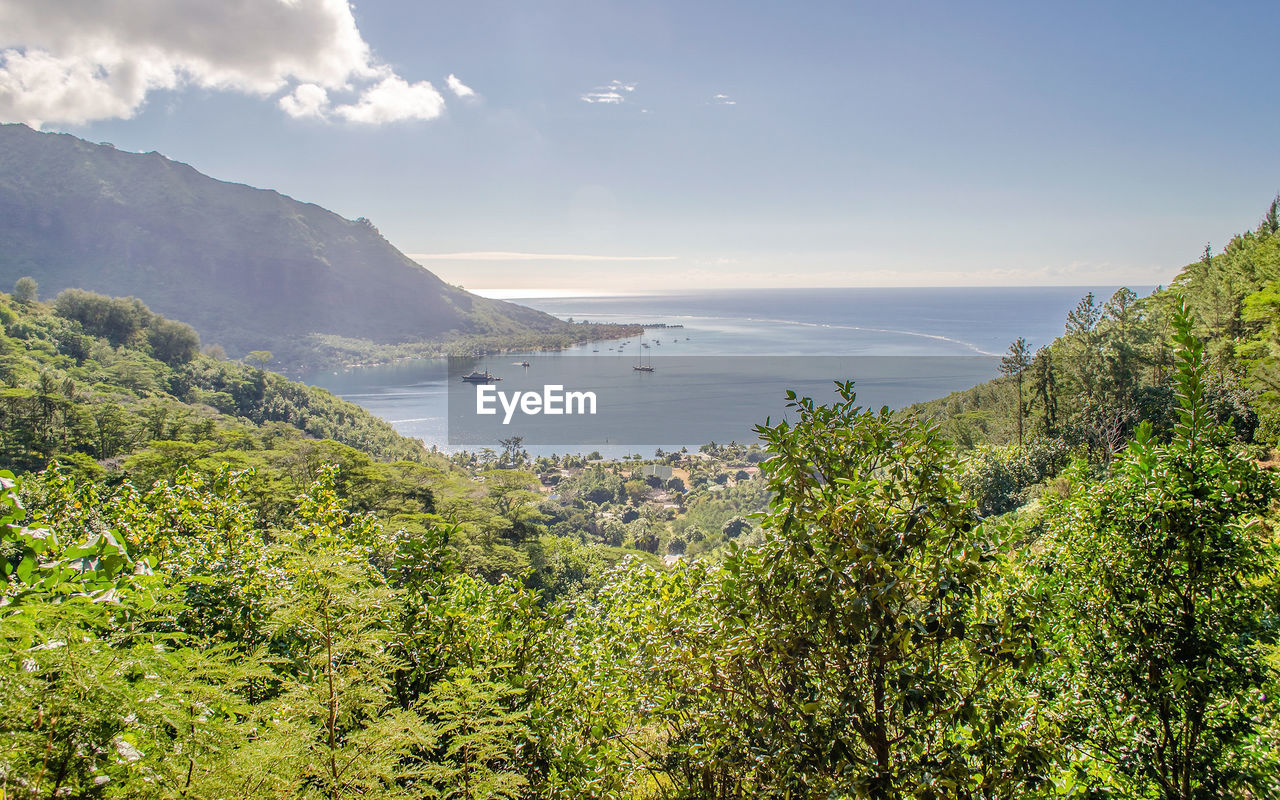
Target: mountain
(249, 268)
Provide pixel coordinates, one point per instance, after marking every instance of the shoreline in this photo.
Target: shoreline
(372, 354)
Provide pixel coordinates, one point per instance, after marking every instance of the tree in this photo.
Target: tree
(111, 430)
(1015, 362)
(1219, 291)
(735, 527)
(514, 496)
(260, 358)
(635, 491)
(25, 290)
(1084, 317)
(337, 729)
(1044, 390)
(79, 660)
(174, 343)
(476, 731)
(865, 641)
(1123, 312)
(116, 319)
(1164, 582)
(513, 455)
(1081, 331)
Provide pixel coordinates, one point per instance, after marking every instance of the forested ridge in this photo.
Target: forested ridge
(1112, 366)
(96, 376)
(1060, 584)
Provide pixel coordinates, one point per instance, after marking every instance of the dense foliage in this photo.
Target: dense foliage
(1113, 369)
(226, 606)
(878, 641)
(81, 384)
(1172, 582)
(100, 376)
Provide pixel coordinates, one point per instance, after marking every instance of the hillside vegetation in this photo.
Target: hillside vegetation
(250, 612)
(1113, 368)
(113, 393)
(94, 376)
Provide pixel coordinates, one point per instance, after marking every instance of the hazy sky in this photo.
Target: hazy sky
(686, 143)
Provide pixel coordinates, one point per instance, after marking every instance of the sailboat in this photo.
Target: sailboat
(643, 367)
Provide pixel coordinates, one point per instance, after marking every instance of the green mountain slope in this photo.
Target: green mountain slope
(249, 268)
(1112, 367)
(69, 391)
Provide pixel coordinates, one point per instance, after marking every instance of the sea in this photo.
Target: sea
(722, 361)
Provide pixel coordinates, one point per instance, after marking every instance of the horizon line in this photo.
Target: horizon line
(503, 255)
(507, 293)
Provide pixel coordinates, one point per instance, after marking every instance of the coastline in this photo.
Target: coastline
(323, 352)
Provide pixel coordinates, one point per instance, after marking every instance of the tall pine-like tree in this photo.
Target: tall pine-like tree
(1014, 363)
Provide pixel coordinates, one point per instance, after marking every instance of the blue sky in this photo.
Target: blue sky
(632, 146)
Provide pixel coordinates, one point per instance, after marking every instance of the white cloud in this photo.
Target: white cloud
(459, 88)
(602, 97)
(394, 99)
(74, 61)
(308, 100)
(724, 100)
(615, 92)
(36, 86)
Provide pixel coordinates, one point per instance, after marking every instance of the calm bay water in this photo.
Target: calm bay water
(724, 344)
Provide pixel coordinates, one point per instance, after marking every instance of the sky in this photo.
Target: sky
(601, 145)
